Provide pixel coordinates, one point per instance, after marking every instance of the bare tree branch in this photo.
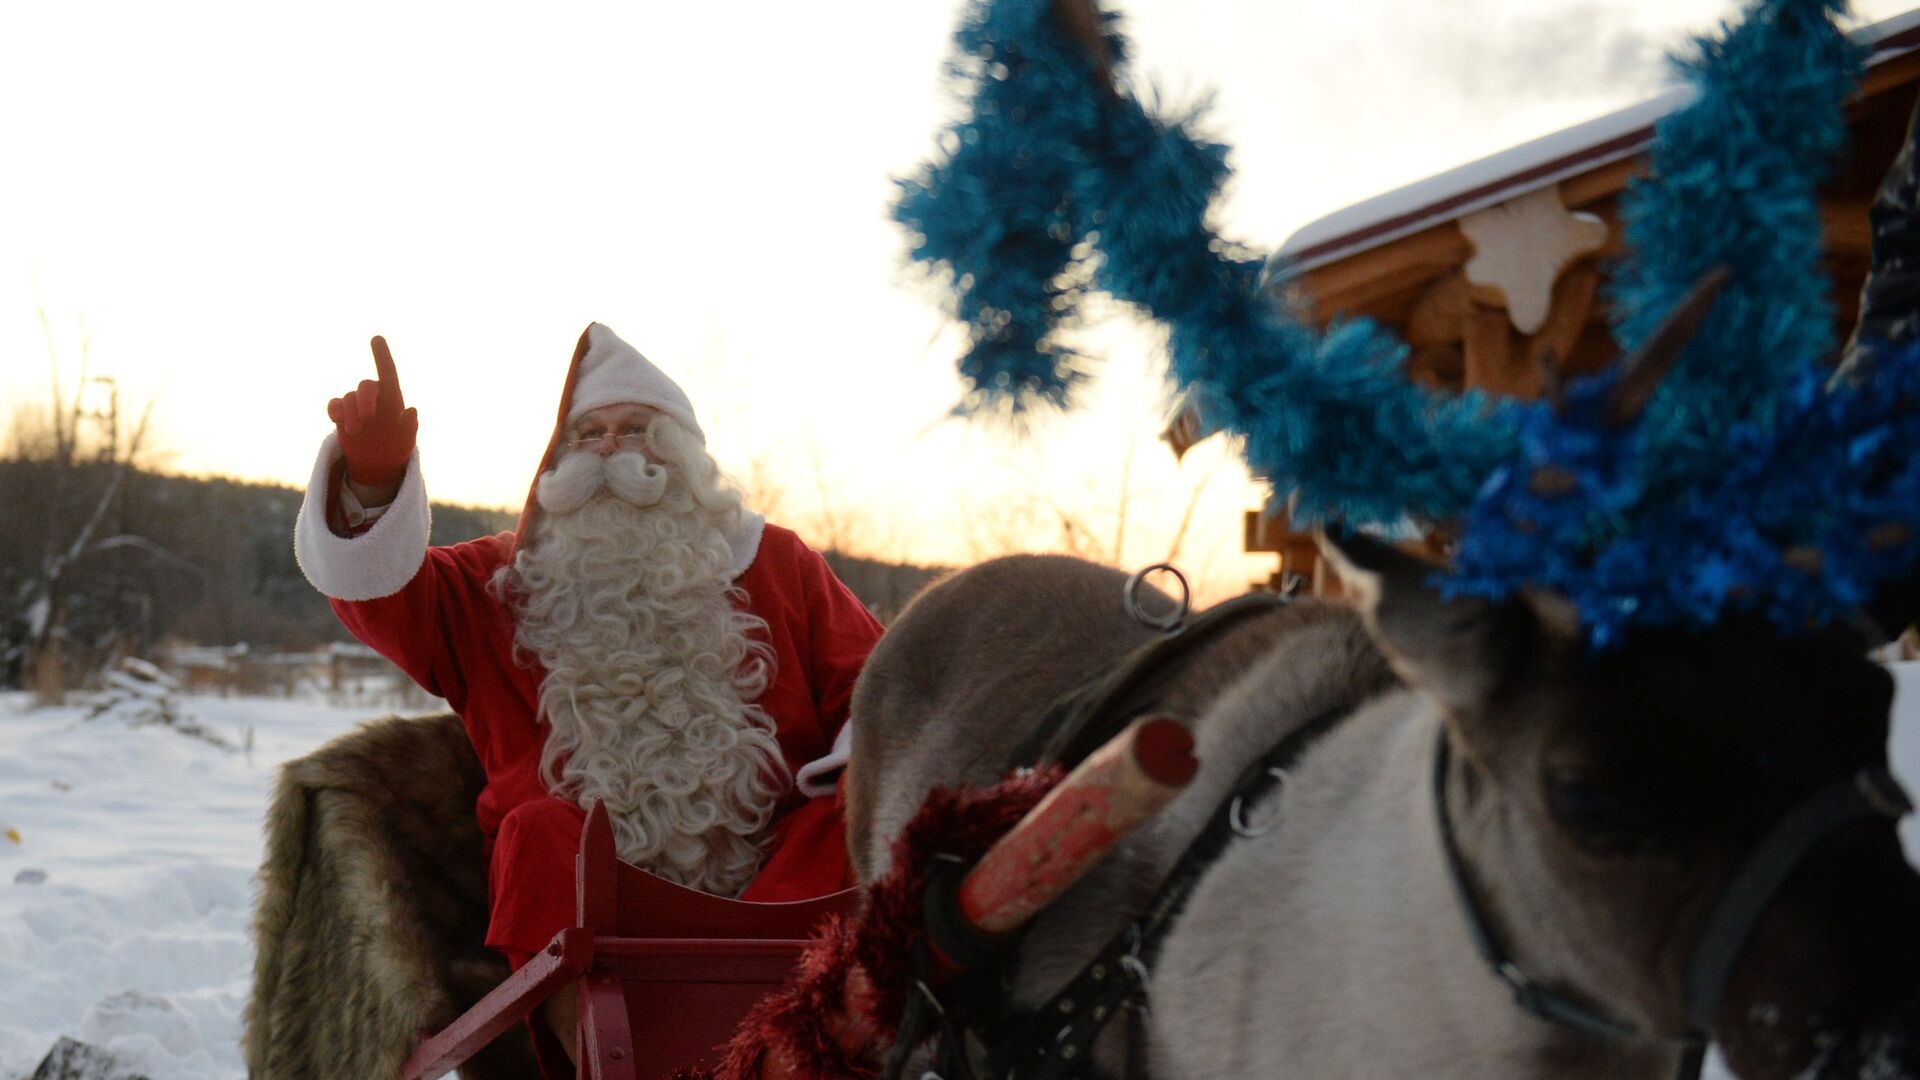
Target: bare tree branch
(141, 543)
(74, 412)
(1193, 504)
(62, 448)
(829, 520)
(1126, 492)
(138, 441)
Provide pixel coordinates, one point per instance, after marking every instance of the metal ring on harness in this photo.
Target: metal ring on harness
(1130, 962)
(1237, 813)
(1167, 623)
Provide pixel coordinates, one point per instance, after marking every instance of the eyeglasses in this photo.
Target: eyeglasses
(632, 440)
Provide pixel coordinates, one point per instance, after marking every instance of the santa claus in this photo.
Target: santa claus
(641, 638)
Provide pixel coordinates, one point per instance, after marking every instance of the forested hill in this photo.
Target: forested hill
(207, 561)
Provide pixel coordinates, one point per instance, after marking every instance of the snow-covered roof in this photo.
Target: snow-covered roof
(1514, 172)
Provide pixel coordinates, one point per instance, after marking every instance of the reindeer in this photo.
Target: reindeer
(1598, 808)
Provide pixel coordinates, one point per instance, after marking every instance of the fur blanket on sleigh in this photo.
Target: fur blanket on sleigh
(373, 908)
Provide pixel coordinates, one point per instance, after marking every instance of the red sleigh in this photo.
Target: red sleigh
(665, 972)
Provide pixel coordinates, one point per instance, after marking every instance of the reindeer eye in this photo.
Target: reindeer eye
(1602, 817)
(1583, 802)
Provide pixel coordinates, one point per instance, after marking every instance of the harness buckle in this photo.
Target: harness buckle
(1882, 792)
(1130, 963)
(933, 999)
(1516, 980)
(1237, 813)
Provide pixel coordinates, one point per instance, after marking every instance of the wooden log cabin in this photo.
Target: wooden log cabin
(1488, 268)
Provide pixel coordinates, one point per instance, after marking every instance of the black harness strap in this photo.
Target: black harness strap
(1055, 1040)
(1528, 995)
(1094, 712)
(1870, 794)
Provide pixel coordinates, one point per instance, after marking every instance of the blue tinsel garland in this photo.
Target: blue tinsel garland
(1732, 183)
(1053, 185)
(1815, 507)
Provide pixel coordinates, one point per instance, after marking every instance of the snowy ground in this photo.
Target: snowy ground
(125, 904)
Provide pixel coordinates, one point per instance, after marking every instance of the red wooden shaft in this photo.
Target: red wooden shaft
(1118, 787)
(1164, 750)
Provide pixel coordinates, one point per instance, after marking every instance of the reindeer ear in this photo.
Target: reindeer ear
(1463, 652)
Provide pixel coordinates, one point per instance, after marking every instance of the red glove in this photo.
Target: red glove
(375, 426)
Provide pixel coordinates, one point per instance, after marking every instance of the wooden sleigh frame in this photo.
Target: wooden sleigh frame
(665, 972)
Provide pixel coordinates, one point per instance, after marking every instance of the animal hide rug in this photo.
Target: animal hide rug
(372, 915)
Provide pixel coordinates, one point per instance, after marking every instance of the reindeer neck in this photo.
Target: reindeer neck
(1354, 868)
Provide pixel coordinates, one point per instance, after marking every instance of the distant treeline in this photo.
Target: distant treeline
(208, 561)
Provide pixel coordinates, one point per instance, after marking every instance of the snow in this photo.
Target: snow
(1473, 186)
(126, 904)
(37, 613)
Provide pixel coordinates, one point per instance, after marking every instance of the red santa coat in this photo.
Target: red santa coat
(431, 611)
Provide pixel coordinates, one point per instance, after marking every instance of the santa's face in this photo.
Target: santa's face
(612, 428)
(608, 452)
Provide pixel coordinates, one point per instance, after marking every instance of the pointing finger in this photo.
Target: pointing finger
(389, 377)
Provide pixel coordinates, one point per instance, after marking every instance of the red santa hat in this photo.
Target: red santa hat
(613, 372)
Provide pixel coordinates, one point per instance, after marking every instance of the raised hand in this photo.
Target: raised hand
(375, 427)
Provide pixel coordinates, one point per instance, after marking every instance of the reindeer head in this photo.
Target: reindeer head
(1607, 801)
(1622, 801)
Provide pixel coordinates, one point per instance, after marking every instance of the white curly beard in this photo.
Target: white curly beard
(651, 672)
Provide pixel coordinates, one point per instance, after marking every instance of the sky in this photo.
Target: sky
(218, 203)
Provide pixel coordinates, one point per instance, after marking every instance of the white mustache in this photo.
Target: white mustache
(578, 478)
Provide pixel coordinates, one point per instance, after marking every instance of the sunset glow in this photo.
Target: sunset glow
(217, 205)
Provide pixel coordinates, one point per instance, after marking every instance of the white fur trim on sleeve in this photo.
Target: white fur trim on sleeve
(378, 562)
(746, 544)
(809, 778)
